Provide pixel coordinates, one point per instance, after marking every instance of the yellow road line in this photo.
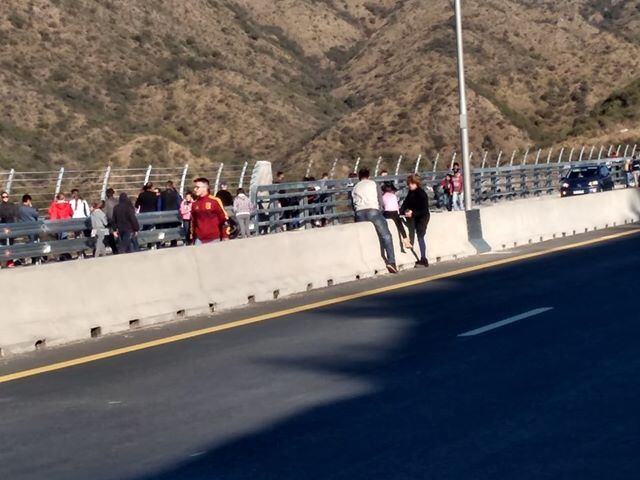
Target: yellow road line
(302, 308)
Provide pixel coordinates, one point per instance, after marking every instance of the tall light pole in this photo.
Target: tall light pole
(464, 124)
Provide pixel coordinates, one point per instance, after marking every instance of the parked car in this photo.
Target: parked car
(587, 179)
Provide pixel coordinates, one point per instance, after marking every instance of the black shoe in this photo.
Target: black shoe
(392, 268)
(422, 263)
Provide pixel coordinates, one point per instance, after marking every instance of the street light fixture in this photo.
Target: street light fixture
(464, 124)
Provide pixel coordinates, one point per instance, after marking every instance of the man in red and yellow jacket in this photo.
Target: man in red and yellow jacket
(208, 218)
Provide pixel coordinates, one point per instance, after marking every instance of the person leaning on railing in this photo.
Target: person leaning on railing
(366, 203)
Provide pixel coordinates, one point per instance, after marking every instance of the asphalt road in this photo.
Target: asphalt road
(382, 387)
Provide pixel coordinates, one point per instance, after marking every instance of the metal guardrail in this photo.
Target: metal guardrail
(58, 237)
(309, 204)
(44, 185)
(294, 205)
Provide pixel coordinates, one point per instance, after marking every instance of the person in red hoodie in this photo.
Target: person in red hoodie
(457, 186)
(208, 217)
(60, 209)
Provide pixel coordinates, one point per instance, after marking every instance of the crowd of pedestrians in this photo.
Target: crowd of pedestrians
(114, 221)
(205, 217)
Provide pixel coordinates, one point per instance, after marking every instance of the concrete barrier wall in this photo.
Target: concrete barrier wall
(529, 221)
(62, 302)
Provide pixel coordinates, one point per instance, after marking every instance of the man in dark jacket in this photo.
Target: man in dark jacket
(147, 201)
(8, 214)
(170, 198)
(225, 195)
(28, 213)
(109, 204)
(125, 225)
(170, 201)
(8, 210)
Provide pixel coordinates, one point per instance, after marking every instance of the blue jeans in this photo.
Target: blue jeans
(382, 229)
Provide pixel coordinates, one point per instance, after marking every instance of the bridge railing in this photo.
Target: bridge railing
(311, 204)
(58, 237)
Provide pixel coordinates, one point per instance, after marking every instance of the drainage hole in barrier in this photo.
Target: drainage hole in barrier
(41, 344)
(96, 332)
(330, 283)
(309, 287)
(212, 307)
(542, 239)
(134, 323)
(276, 294)
(251, 299)
(180, 313)
(357, 277)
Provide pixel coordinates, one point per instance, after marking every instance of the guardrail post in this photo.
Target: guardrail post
(59, 181)
(356, 166)
(398, 165)
(435, 166)
(633, 151)
(513, 156)
(581, 154)
(538, 155)
(524, 159)
(375, 172)
(7, 187)
(218, 176)
(494, 185)
(560, 156)
(147, 175)
(416, 170)
(183, 179)
(571, 154)
(549, 156)
(484, 158)
(618, 150)
(332, 172)
(499, 158)
(453, 160)
(626, 150)
(600, 152)
(609, 151)
(593, 147)
(308, 172)
(242, 174)
(105, 183)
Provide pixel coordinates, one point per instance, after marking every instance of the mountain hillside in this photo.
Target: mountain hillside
(85, 82)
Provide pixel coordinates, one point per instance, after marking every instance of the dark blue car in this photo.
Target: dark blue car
(586, 179)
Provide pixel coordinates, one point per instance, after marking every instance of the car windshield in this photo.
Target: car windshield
(583, 173)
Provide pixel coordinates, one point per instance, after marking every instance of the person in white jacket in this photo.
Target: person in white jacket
(79, 206)
(366, 203)
(243, 208)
